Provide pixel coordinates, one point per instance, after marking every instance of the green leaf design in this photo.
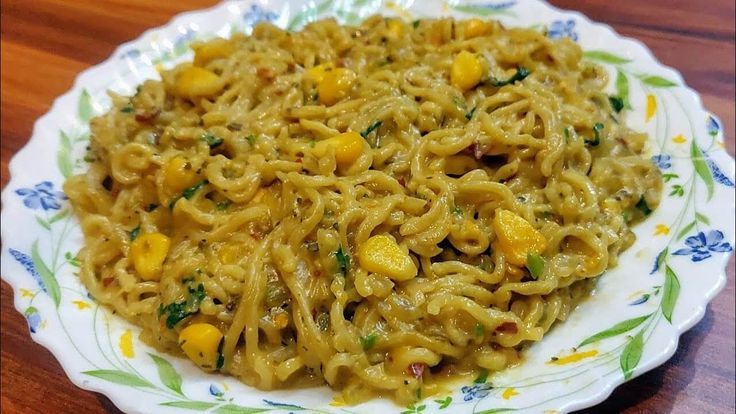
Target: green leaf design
(84, 106)
(444, 403)
(482, 11)
(670, 293)
(701, 168)
(656, 81)
(631, 354)
(237, 409)
(43, 223)
(119, 377)
(167, 374)
(64, 155)
(58, 216)
(685, 230)
(190, 405)
(615, 330)
(605, 57)
(48, 278)
(309, 14)
(622, 88)
(701, 218)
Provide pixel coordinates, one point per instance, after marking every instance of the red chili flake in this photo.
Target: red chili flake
(402, 181)
(507, 327)
(107, 281)
(146, 117)
(417, 369)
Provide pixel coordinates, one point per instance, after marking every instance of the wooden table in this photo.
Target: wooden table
(45, 43)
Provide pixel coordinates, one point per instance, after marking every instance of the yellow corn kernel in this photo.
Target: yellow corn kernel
(148, 253)
(317, 73)
(348, 147)
(475, 28)
(335, 85)
(194, 81)
(516, 238)
(467, 70)
(395, 27)
(179, 174)
(200, 341)
(214, 49)
(380, 254)
(229, 254)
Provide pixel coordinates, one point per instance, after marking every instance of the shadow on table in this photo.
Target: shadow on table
(663, 383)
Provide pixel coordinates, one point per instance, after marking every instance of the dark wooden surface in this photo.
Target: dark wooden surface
(45, 43)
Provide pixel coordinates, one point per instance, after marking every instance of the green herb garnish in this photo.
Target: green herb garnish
(597, 137)
(223, 205)
(469, 114)
(616, 103)
(480, 330)
(535, 265)
(189, 192)
(520, 75)
(178, 311)
(343, 260)
(126, 109)
(212, 140)
(134, 233)
(458, 211)
(415, 23)
(251, 139)
(372, 127)
(368, 341)
(643, 207)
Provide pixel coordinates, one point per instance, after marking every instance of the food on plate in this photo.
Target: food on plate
(382, 208)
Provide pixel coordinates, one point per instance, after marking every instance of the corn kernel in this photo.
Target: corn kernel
(200, 342)
(194, 81)
(335, 85)
(395, 27)
(214, 49)
(380, 254)
(229, 254)
(475, 28)
(317, 73)
(467, 71)
(348, 147)
(516, 238)
(148, 253)
(179, 174)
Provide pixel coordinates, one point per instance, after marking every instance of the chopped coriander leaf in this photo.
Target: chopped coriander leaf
(368, 341)
(535, 265)
(643, 207)
(616, 103)
(458, 211)
(459, 102)
(134, 233)
(189, 192)
(415, 23)
(372, 127)
(469, 115)
(482, 377)
(220, 361)
(223, 205)
(520, 75)
(127, 109)
(480, 330)
(312, 143)
(178, 311)
(566, 131)
(212, 140)
(597, 131)
(343, 260)
(251, 139)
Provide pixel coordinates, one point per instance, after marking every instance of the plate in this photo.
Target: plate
(630, 325)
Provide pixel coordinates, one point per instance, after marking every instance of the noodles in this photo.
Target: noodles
(380, 207)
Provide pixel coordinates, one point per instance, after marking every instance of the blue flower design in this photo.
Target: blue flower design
(477, 391)
(718, 175)
(497, 6)
(216, 391)
(27, 263)
(42, 195)
(701, 245)
(560, 28)
(713, 126)
(662, 161)
(642, 299)
(181, 44)
(131, 54)
(257, 14)
(33, 318)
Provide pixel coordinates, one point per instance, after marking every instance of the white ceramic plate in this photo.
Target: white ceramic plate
(631, 325)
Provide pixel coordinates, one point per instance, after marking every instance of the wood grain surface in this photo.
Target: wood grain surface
(45, 43)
